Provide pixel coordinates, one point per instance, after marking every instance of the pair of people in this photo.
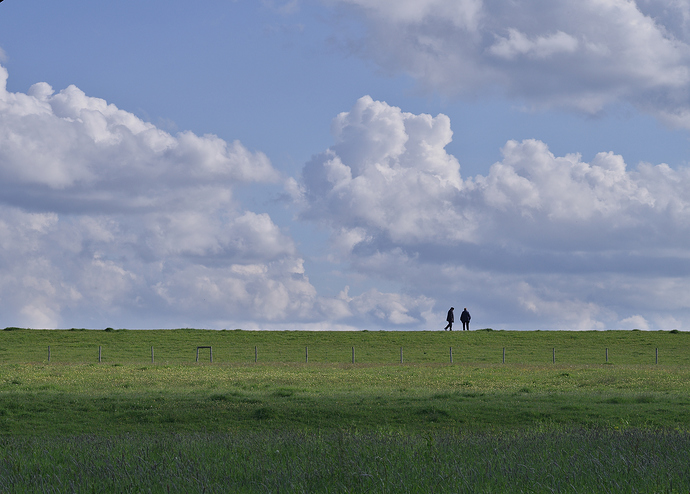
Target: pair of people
(464, 318)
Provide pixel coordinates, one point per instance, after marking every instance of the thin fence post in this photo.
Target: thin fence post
(353, 355)
(657, 356)
(99, 353)
(197, 354)
(48, 353)
(607, 355)
(451, 355)
(256, 355)
(401, 355)
(554, 355)
(306, 354)
(504, 355)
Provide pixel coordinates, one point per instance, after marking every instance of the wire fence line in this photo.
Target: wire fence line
(501, 357)
(179, 346)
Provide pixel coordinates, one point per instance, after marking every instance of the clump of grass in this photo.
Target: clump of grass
(283, 393)
(218, 397)
(264, 413)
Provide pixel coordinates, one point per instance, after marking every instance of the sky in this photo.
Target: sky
(345, 164)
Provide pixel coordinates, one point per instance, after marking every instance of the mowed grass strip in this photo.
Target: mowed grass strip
(42, 399)
(375, 347)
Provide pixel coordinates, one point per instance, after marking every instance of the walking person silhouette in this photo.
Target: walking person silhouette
(451, 319)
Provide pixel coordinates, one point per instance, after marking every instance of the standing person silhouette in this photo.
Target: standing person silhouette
(451, 319)
(465, 319)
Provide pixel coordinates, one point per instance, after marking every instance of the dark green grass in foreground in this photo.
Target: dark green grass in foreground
(338, 462)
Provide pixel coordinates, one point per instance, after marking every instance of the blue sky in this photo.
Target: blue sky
(345, 164)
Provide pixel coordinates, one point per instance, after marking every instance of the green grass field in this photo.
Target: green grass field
(327, 425)
(329, 347)
(117, 398)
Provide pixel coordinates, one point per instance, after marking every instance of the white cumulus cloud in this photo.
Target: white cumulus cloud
(576, 54)
(107, 220)
(541, 239)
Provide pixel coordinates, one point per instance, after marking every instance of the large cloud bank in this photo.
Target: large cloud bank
(105, 220)
(578, 54)
(541, 241)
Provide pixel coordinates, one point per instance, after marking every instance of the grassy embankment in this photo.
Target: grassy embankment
(379, 347)
(126, 392)
(331, 426)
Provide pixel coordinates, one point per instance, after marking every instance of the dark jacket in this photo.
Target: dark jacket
(465, 316)
(451, 316)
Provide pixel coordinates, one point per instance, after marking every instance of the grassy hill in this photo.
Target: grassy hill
(125, 424)
(127, 392)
